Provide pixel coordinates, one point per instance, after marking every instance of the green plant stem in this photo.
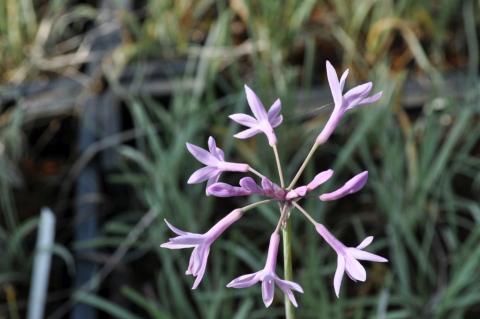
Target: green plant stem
(304, 164)
(253, 205)
(287, 262)
(279, 166)
(254, 171)
(286, 240)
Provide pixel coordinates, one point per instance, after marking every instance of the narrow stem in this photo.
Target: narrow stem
(304, 164)
(253, 205)
(304, 212)
(281, 219)
(279, 166)
(255, 172)
(287, 264)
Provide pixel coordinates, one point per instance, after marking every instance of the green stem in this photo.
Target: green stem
(304, 164)
(253, 205)
(279, 166)
(287, 240)
(255, 172)
(287, 263)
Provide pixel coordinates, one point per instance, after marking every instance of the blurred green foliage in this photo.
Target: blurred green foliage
(421, 200)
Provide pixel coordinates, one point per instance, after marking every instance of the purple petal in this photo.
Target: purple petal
(365, 255)
(319, 179)
(337, 280)
(255, 104)
(249, 184)
(212, 180)
(214, 150)
(202, 155)
(202, 174)
(226, 190)
(367, 241)
(276, 121)
(170, 245)
(343, 79)
(244, 281)
(268, 290)
(355, 269)
(274, 111)
(247, 133)
(175, 229)
(334, 84)
(190, 239)
(371, 99)
(244, 119)
(289, 294)
(233, 167)
(297, 192)
(352, 186)
(199, 274)
(355, 95)
(289, 285)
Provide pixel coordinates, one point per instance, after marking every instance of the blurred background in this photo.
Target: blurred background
(97, 101)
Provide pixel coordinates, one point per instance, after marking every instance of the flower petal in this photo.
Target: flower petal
(202, 155)
(319, 179)
(249, 184)
(365, 255)
(355, 269)
(274, 111)
(227, 190)
(175, 229)
(247, 133)
(355, 95)
(201, 271)
(334, 84)
(255, 104)
(351, 186)
(343, 79)
(170, 245)
(371, 99)
(289, 285)
(244, 281)
(288, 293)
(337, 280)
(214, 150)
(202, 174)
(268, 287)
(212, 180)
(244, 119)
(367, 241)
(276, 121)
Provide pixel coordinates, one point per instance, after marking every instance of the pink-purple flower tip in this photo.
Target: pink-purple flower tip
(200, 243)
(215, 164)
(343, 102)
(268, 277)
(262, 121)
(348, 261)
(353, 185)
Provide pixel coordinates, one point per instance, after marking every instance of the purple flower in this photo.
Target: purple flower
(262, 122)
(200, 243)
(302, 191)
(347, 258)
(343, 102)
(353, 185)
(215, 164)
(268, 277)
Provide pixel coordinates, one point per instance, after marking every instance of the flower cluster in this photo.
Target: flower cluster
(288, 197)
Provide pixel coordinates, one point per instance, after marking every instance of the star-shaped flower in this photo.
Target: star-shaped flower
(343, 102)
(262, 122)
(268, 277)
(347, 258)
(200, 243)
(214, 160)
